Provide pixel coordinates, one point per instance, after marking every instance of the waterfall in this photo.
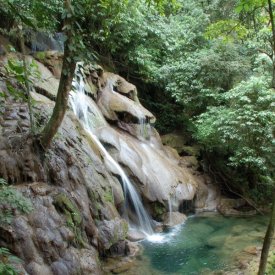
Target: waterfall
(91, 118)
(170, 210)
(143, 131)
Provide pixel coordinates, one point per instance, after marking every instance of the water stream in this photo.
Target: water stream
(205, 244)
(91, 118)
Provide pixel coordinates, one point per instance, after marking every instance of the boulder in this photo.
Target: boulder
(173, 219)
(111, 232)
(135, 235)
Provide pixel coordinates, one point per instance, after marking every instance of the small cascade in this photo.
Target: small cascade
(170, 210)
(91, 118)
(143, 130)
(42, 41)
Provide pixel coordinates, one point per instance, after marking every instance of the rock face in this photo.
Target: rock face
(69, 188)
(76, 195)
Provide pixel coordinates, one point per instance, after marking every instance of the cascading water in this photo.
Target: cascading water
(143, 128)
(91, 118)
(170, 210)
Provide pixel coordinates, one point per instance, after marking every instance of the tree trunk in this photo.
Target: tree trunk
(267, 240)
(270, 11)
(65, 85)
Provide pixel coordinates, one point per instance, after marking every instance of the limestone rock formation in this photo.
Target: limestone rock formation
(76, 193)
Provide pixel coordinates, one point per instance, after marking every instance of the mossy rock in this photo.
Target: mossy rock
(41, 56)
(108, 196)
(111, 232)
(72, 215)
(95, 201)
(158, 210)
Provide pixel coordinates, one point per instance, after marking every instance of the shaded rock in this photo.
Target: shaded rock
(119, 249)
(228, 207)
(44, 41)
(207, 196)
(190, 162)
(175, 141)
(178, 142)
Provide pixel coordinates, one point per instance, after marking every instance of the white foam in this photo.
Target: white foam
(156, 238)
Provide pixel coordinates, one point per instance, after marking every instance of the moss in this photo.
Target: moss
(158, 209)
(72, 215)
(95, 198)
(270, 269)
(125, 229)
(117, 236)
(108, 196)
(40, 56)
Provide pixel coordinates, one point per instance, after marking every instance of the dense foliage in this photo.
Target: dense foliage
(213, 60)
(12, 201)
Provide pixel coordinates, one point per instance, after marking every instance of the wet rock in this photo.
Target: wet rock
(157, 179)
(174, 218)
(190, 162)
(135, 235)
(134, 249)
(120, 248)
